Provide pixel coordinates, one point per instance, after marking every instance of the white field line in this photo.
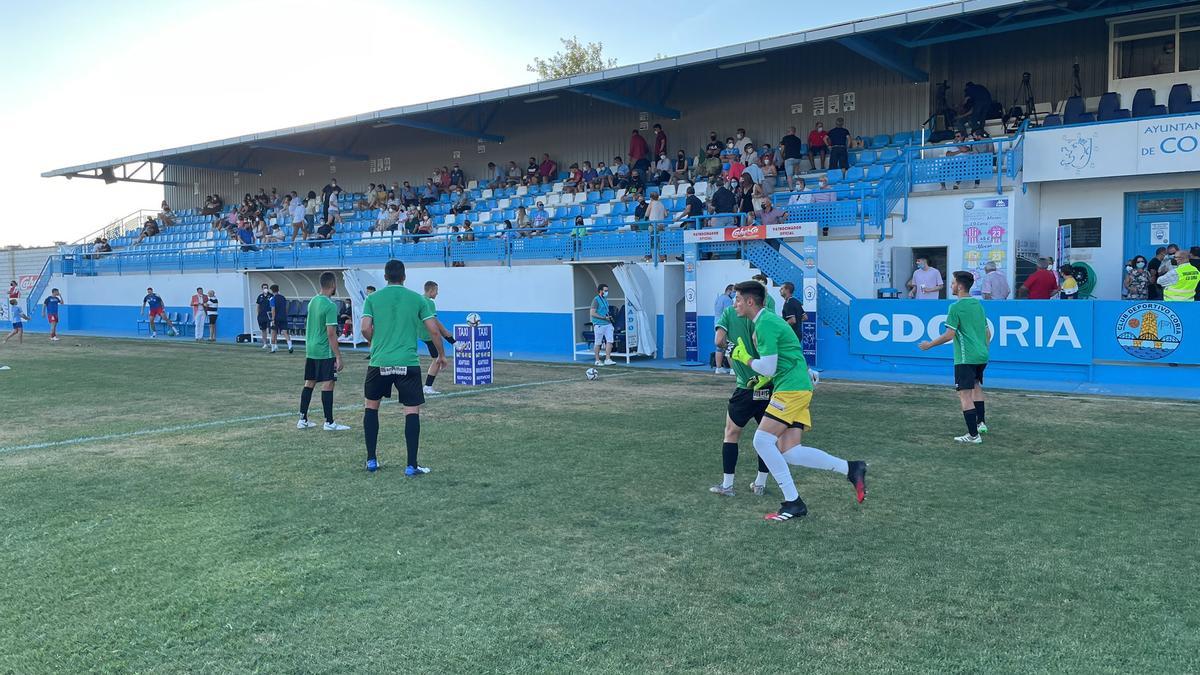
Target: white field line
(256, 418)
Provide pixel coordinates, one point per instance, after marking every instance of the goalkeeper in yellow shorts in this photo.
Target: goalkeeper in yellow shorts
(777, 440)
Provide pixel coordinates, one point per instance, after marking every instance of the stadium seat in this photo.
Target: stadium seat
(866, 157)
(854, 174)
(889, 156)
(834, 177)
(1074, 113)
(902, 138)
(1180, 100)
(876, 172)
(880, 141)
(1144, 106)
(1109, 107)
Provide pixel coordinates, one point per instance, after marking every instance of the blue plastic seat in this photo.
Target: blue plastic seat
(854, 173)
(876, 172)
(1180, 100)
(834, 177)
(608, 195)
(1144, 105)
(1052, 121)
(866, 157)
(1110, 108)
(593, 197)
(902, 138)
(881, 141)
(1074, 113)
(888, 156)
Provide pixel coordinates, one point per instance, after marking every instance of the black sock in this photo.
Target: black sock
(972, 422)
(327, 404)
(371, 430)
(979, 411)
(412, 436)
(429, 380)
(729, 455)
(762, 466)
(305, 399)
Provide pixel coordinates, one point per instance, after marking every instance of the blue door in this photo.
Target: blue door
(1154, 219)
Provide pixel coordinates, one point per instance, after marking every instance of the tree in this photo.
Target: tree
(574, 59)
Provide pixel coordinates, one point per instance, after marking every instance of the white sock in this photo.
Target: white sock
(765, 445)
(815, 459)
(289, 340)
(727, 480)
(761, 479)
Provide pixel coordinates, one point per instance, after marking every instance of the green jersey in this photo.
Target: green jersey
(737, 327)
(398, 314)
(770, 304)
(423, 332)
(967, 319)
(774, 337)
(322, 312)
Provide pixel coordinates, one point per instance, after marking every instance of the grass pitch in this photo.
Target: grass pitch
(567, 527)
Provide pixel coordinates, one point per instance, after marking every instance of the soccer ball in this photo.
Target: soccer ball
(472, 319)
(592, 373)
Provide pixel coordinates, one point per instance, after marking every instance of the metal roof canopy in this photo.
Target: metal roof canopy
(887, 40)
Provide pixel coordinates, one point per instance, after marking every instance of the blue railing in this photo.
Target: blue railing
(38, 292)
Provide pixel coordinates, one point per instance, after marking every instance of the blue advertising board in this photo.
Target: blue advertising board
(1037, 331)
(691, 336)
(473, 354)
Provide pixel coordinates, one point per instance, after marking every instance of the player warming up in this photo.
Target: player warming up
(157, 308)
(781, 359)
(391, 321)
(18, 319)
(50, 311)
(966, 325)
(749, 400)
(279, 319)
(434, 345)
(324, 357)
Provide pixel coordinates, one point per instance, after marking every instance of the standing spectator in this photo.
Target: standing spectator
(977, 103)
(693, 208)
(50, 311)
(770, 214)
(1181, 283)
(1194, 252)
(548, 169)
(741, 139)
(456, 177)
(1041, 284)
(1137, 283)
(995, 284)
(755, 172)
(838, 140)
(329, 193)
(793, 311)
(769, 172)
(199, 318)
(638, 150)
(1069, 288)
(791, 149)
(1153, 266)
(14, 291)
(210, 308)
(724, 301)
(301, 225)
(657, 212)
(926, 282)
(745, 195)
(723, 202)
(818, 145)
(660, 140)
(642, 210)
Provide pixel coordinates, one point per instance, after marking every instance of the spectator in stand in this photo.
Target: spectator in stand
(745, 195)
(580, 228)
(995, 284)
(301, 224)
(463, 204)
(1137, 279)
(957, 149)
(657, 211)
(389, 219)
(660, 140)
(642, 211)
(261, 231)
(749, 154)
(926, 282)
(531, 172)
(734, 169)
(425, 222)
(246, 236)
(1041, 284)
(638, 150)
(589, 176)
(429, 193)
(604, 177)
(755, 171)
(456, 177)
(620, 172)
(574, 181)
(211, 207)
(838, 140)
(540, 219)
(275, 234)
(311, 205)
(679, 172)
(329, 193)
(495, 176)
(770, 214)
(523, 222)
(548, 171)
(325, 232)
(662, 170)
(637, 181)
(149, 229)
(408, 196)
(712, 165)
(513, 176)
(977, 103)
(693, 208)
(723, 202)
(741, 139)
(468, 232)
(730, 151)
(166, 215)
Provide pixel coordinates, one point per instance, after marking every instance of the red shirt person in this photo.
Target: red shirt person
(637, 148)
(548, 170)
(1042, 284)
(14, 291)
(660, 141)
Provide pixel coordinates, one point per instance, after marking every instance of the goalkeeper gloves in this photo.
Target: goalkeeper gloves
(740, 354)
(759, 381)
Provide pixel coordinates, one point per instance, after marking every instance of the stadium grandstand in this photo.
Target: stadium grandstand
(981, 135)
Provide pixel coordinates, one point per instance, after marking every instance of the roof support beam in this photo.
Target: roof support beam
(116, 179)
(301, 150)
(438, 128)
(211, 167)
(627, 102)
(900, 63)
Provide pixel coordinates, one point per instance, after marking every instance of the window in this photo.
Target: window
(1163, 205)
(1159, 45)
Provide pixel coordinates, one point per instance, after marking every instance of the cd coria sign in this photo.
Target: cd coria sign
(1133, 148)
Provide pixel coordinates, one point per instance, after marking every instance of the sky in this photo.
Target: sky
(89, 81)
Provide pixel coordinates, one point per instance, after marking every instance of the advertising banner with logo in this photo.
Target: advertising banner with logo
(749, 232)
(472, 354)
(1129, 148)
(1037, 331)
(985, 237)
(691, 336)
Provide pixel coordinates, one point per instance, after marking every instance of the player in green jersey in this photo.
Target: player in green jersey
(777, 440)
(434, 344)
(967, 326)
(392, 320)
(749, 401)
(323, 357)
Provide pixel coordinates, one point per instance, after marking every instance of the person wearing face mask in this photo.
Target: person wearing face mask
(995, 284)
(714, 144)
(730, 152)
(742, 139)
(1181, 283)
(602, 324)
(1137, 279)
(817, 147)
(637, 147)
(662, 170)
(926, 282)
(329, 193)
(680, 170)
(749, 154)
(263, 303)
(660, 140)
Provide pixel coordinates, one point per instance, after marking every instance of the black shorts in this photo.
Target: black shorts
(838, 157)
(280, 326)
(264, 322)
(814, 150)
(747, 403)
(319, 370)
(406, 379)
(967, 375)
(433, 348)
